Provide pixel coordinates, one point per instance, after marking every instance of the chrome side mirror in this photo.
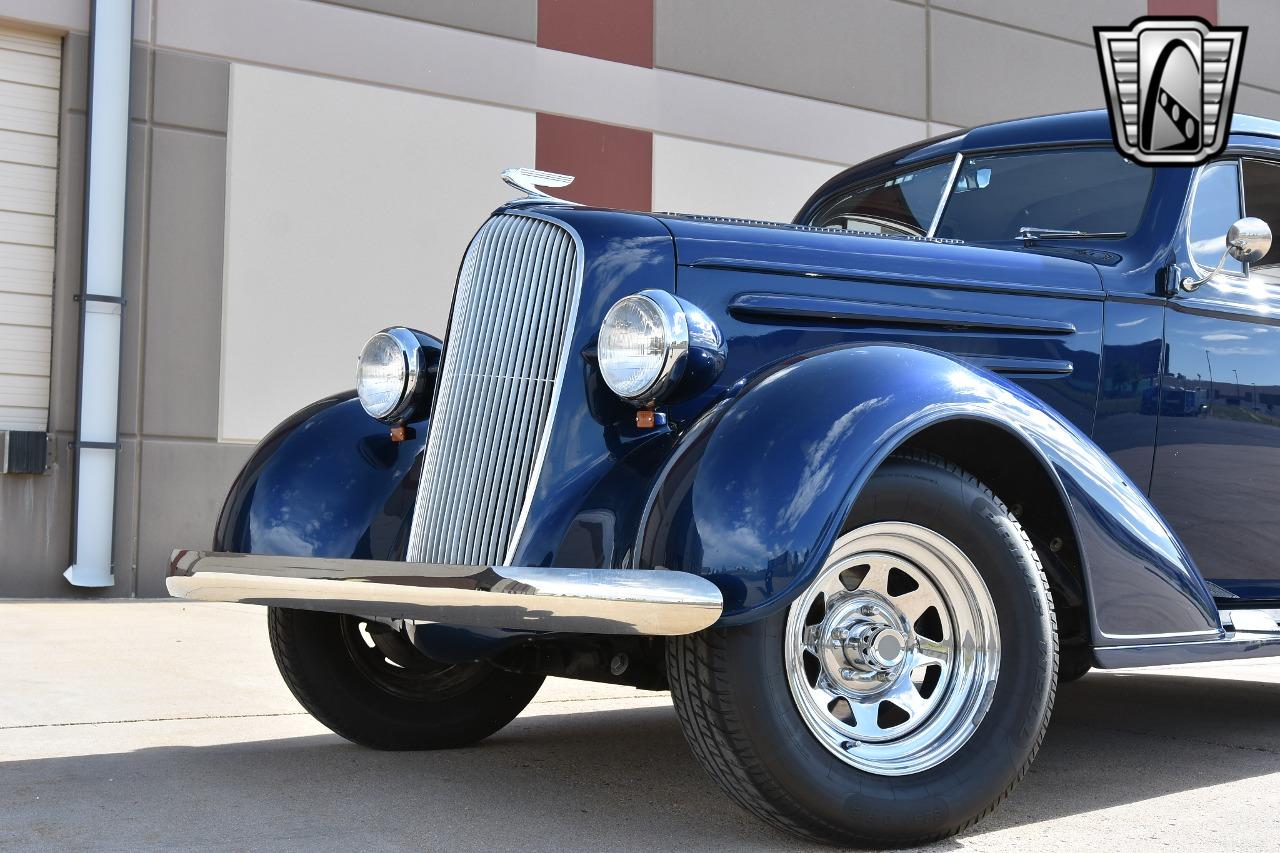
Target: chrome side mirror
(1248, 240)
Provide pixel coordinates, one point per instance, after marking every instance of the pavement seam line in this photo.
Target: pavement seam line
(254, 716)
(150, 720)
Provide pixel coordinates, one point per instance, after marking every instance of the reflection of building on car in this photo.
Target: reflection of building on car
(861, 490)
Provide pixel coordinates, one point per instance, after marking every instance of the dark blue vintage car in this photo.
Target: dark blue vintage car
(861, 490)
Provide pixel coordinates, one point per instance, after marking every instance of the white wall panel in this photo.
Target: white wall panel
(703, 177)
(29, 94)
(348, 209)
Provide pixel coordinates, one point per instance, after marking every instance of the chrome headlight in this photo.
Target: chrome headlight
(651, 342)
(389, 373)
(643, 340)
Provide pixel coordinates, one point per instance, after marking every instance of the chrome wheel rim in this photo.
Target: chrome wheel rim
(892, 652)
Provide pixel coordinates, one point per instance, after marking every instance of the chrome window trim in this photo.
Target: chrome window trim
(1198, 270)
(544, 442)
(946, 195)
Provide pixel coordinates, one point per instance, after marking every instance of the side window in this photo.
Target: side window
(1215, 206)
(895, 204)
(1262, 199)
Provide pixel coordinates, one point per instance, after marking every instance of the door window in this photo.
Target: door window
(1262, 199)
(1214, 208)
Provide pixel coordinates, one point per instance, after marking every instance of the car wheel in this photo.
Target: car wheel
(368, 683)
(904, 692)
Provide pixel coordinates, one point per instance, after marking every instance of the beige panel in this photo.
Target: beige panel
(26, 228)
(31, 43)
(36, 69)
(29, 73)
(25, 349)
(28, 148)
(30, 109)
(27, 189)
(25, 309)
(348, 209)
(26, 269)
(700, 177)
(21, 390)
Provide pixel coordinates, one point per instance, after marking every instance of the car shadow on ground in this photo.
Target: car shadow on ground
(614, 779)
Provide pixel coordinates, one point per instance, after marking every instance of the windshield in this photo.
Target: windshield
(1086, 190)
(1091, 190)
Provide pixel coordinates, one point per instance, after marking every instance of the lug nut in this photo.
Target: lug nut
(839, 634)
(846, 674)
(868, 610)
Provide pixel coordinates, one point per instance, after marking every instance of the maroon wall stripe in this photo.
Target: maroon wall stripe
(1207, 9)
(618, 30)
(612, 166)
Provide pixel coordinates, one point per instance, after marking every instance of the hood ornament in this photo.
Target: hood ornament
(529, 180)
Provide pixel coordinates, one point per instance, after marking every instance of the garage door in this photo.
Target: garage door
(30, 68)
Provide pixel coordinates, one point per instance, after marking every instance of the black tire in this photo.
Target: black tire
(732, 695)
(341, 675)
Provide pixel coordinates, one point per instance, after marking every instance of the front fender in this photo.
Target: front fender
(328, 482)
(754, 497)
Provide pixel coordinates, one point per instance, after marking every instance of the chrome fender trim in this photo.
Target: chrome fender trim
(588, 601)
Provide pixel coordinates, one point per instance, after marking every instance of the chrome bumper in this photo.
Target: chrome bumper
(587, 601)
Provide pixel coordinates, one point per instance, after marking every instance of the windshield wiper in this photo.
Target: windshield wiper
(1031, 232)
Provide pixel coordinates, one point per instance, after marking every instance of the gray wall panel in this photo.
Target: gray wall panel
(829, 51)
(183, 485)
(75, 76)
(972, 82)
(68, 241)
(184, 284)
(1261, 59)
(34, 511)
(134, 262)
(517, 19)
(1074, 20)
(191, 91)
(1258, 102)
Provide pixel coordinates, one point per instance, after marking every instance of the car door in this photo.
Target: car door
(1216, 473)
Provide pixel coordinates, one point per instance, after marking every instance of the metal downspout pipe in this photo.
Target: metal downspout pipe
(101, 299)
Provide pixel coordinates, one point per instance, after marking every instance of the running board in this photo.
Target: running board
(1249, 633)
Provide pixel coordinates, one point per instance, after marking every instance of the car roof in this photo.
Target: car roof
(1084, 127)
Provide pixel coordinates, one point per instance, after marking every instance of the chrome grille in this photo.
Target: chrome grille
(513, 310)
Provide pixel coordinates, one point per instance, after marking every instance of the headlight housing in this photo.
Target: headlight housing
(389, 373)
(653, 345)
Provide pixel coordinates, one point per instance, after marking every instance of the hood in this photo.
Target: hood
(820, 252)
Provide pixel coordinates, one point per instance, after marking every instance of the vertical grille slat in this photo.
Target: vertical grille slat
(513, 311)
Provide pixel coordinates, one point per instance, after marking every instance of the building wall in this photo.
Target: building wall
(304, 172)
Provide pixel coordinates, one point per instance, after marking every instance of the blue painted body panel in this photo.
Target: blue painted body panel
(839, 347)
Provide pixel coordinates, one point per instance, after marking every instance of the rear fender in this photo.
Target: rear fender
(756, 493)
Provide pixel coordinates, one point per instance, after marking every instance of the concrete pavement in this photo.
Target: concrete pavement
(134, 725)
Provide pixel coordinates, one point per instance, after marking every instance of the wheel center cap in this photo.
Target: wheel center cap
(887, 648)
(870, 646)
